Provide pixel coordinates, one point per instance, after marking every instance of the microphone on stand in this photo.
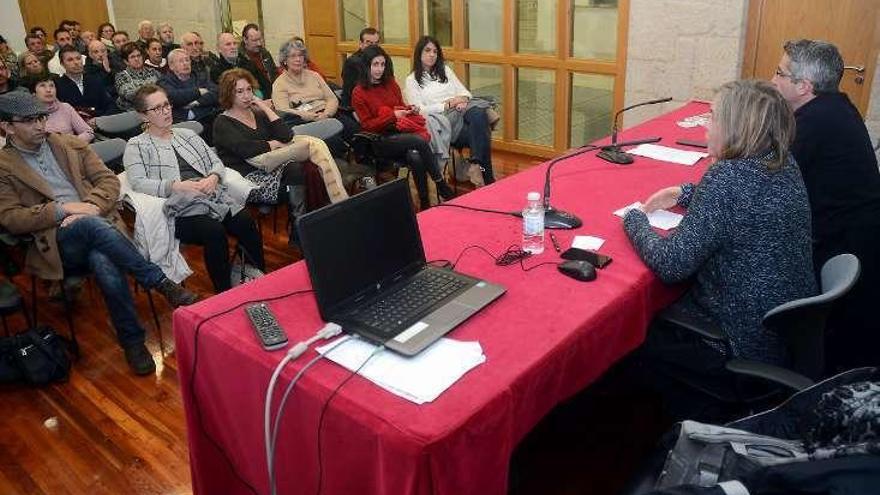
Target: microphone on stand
(613, 153)
(560, 219)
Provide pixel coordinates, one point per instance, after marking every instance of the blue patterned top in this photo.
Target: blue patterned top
(746, 241)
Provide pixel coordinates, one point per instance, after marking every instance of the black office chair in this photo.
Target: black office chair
(800, 324)
(363, 148)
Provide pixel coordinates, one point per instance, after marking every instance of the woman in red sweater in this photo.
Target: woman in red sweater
(379, 106)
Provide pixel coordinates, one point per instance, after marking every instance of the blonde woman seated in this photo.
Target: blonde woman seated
(301, 96)
(435, 90)
(745, 239)
(178, 165)
(63, 118)
(248, 127)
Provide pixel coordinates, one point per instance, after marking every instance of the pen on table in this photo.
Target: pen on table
(555, 243)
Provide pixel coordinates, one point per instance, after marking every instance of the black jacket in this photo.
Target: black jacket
(218, 65)
(182, 93)
(94, 95)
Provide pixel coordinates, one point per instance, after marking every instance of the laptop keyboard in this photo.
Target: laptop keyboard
(390, 314)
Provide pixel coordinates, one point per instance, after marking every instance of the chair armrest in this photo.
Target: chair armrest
(700, 326)
(769, 372)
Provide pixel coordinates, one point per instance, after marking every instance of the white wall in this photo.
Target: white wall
(12, 25)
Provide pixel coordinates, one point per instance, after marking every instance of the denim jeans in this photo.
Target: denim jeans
(476, 135)
(92, 244)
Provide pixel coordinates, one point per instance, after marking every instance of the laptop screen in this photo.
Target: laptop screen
(354, 247)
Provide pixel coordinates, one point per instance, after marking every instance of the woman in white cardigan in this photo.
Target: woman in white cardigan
(178, 165)
(435, 90)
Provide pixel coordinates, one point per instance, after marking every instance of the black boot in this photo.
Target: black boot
(444, 190)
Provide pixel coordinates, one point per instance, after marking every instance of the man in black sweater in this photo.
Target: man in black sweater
(353, 65)
(834, 152)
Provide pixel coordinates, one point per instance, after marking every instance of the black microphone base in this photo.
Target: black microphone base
(614, 154)
(560, 220)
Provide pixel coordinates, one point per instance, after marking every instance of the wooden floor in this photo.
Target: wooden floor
(109, 431)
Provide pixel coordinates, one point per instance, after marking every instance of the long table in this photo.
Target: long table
(546, 339)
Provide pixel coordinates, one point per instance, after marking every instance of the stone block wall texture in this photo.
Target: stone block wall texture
(681, 48)
(201, 16)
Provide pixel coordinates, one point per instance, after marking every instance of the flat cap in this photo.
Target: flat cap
(21, 104)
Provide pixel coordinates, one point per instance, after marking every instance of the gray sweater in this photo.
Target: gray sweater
(746, 239)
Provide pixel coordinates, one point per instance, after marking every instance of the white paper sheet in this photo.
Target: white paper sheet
(668, 154)
(661, 219)
(587, 242)
(421, 378)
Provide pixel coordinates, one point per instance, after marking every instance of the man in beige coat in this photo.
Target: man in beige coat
(56, 189)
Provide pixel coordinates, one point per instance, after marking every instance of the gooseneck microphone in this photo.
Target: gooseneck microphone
(613, 153)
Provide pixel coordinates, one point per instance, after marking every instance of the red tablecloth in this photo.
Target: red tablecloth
(548, 337)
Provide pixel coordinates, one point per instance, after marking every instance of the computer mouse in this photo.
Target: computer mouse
(578, 270)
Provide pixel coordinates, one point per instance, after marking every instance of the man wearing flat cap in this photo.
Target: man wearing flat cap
(55, 188)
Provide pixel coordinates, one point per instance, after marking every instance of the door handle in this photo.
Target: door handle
(860, 73)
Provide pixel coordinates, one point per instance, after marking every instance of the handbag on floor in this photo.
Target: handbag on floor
(38, 356)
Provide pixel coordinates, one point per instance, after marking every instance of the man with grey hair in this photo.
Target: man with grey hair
(166, 36)
(192, 96)
(229, 57)
(194, 46)
(145, 32)
(834, 153)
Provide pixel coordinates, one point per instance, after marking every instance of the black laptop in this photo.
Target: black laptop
(368, 269)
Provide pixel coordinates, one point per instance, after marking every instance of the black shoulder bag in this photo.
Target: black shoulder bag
(38, 356)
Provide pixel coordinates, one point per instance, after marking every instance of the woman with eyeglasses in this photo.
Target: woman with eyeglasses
(178, 165)
(105, 35)
(249, 127)
(135, 76)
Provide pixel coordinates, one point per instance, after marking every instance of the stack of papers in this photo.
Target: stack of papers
(587, 242)
(420, 378)
(668, 154)
(661, 219)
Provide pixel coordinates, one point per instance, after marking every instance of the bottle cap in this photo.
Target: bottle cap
(534, 196)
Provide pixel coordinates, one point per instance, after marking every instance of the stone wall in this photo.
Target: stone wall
(194, 15)
(681, 48)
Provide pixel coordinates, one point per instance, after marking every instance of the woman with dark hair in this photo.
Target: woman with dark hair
(379, 106)
(249, 127)
(63, 119)
(135, 76)
(745, 238)
(105, 35)
(435, 90)
(155, 59)
(177, 164)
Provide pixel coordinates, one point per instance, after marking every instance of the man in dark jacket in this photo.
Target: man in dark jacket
(192, 97)
(87, 94)
(228, 57)
(252, 49)
(834, 152)
(353, 65)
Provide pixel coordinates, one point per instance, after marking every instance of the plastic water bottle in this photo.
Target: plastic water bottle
(533, 225)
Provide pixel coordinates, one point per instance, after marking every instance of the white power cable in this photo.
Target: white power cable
(328, 331)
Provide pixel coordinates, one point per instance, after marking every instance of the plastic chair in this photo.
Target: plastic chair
(120, 125)
(110, 152)
(800, 324)
(192, 125)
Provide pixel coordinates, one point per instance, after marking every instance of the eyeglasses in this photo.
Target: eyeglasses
(33, 119)
(165, 107)
(783, 74)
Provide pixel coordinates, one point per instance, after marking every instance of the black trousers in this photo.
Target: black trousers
(396, 146)
(853, 329)
(205, 231)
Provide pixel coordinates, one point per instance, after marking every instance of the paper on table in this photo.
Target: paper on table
(660, 219)
(587, 242)
(668, 154)
(420, 378)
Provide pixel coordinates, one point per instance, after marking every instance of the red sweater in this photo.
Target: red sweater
(374, 106)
